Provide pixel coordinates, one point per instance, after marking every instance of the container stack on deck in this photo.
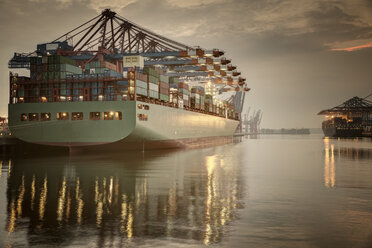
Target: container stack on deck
(184, 93)
(104, 65)
(197, 97)
(56, 78)
(164, 88)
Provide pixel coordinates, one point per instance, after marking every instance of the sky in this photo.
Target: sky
(298, 56)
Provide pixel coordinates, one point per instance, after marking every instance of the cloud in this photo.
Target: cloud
(194, 3)
(183, 30)
(354, 48)
(296, 25)
(115, 5)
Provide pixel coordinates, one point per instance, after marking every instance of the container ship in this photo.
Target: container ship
(110, 83)
(353, 118)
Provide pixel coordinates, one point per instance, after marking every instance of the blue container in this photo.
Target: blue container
(63, 92)
(122, 83)
(94, 91)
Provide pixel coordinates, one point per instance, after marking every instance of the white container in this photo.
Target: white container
(141, 84)
(202, 61)
(180, 103)
(141, 91)
(51, 46)
(191, 52)
(154, 87)
(208, 53)
(223, 67)
(216, 60)
(197, 96)
(133, 61)
(153, 94)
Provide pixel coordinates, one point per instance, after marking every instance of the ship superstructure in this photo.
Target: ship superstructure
(353, 118)
(112, 81)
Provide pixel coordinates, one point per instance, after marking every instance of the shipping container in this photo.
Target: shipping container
(151, 71)
(195, 95)
(154, 87)
(142, 77)
(164, 91)
(108, 65)
(163, 85)
(122, 83)
(183, 85)
(153, 94)
(164, 79)
(164, 97)
(153, 79)
(141, 84)
(141, 91)
(174, 80)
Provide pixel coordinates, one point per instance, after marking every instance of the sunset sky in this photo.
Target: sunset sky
(298, 56)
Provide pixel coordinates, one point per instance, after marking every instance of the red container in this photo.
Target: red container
(183, 85)
(183, 53)
(160, 71)
(142, 77)
(164, 85)
(164, 91)
(209, 60)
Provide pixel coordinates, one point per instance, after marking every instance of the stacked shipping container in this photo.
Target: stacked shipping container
(163, 88)
(59, 79)
(58, 67)
(209, 103)
(184, 93)
(141, 84)
(153, 80)
(197, 97)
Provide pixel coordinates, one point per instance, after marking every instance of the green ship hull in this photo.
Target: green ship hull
(162, 126)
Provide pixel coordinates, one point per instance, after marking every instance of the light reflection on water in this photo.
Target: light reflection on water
(329, 165)
(273, 191)
(108, 200)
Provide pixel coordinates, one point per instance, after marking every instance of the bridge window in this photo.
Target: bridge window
(95, 116)
(108, 116)
(33, 116)
(45, 116)
(62, 116)
(77, 116)
(118, 115)
(23, 117)
(146, 107)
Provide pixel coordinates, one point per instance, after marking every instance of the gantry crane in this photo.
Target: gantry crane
(110, 37)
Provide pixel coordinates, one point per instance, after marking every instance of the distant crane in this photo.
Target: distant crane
(252, 124)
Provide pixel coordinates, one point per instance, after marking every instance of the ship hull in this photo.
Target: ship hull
(163, 127)
(342, 132)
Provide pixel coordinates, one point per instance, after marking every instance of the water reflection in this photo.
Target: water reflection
(354, 153)
(329, 165)
(114, 200)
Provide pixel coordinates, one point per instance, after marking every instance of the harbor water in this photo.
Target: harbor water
(267, 191)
